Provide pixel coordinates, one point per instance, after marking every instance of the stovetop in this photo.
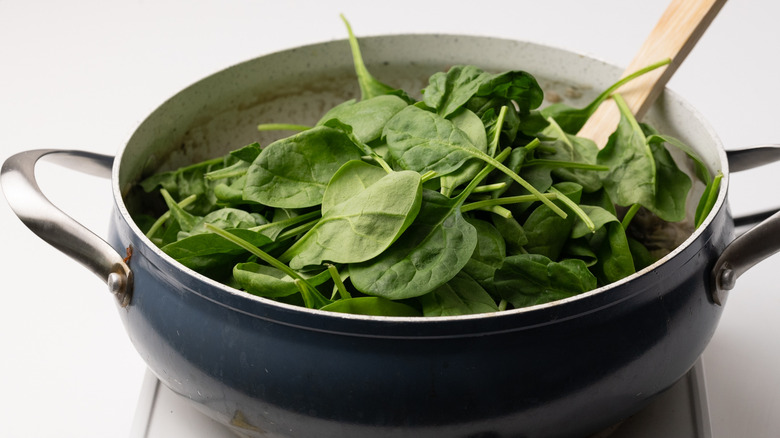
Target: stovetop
(680, 412)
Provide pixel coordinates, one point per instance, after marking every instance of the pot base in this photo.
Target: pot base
(681, 411)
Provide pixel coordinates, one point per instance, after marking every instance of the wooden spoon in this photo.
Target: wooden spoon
(673, 37)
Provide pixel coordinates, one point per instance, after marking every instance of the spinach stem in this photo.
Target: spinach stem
(502, 305)
(165, 216)
(429, 175)
(281, 127)
(381, 162)
(482, 174)
(286, 222)
(238, 169)
(609, 91)
(311, 297)
(565, 164)
(334, 273)
(481, 205)
(533, 144)
(296, 231)
(498, 210)
(629, 215)
(262, 255)
(489, 187)
(576, 209)
(525, 184)
(496, 135)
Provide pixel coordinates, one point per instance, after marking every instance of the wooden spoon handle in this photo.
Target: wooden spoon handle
(673, 37)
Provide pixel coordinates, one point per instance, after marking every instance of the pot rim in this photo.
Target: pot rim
(150, 247)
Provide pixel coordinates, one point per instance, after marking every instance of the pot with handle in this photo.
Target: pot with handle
(264, 368)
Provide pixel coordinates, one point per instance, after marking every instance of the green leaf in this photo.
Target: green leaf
(530, 279)
(546, 231)
(447, 92)
(632, 175)
(432, 251)
(367, 117)
(423, 141)
(369, 85)
(517, 86)
(267, 281)
(359, 227)
(472, 126)
(293, 172)
(462, 295)
(376, 306)
(488, 255)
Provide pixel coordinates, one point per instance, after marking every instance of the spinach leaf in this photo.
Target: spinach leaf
(367, 117)
(423, 141)
(267, 281)
(462, 295)
(546, 231)
(369, 85)
(359, 227)
(447, 92)
(472, 126)
(376, 306)
(571, 120)
(531, 279)
(203, 252)
(432, 251)
(294, 171)
(517, 86)
(488, 255)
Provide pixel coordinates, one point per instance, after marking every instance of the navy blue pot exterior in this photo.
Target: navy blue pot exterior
(564, 370)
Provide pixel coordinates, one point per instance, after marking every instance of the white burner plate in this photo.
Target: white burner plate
(680, 412)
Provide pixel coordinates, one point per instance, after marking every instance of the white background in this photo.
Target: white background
(83, 74)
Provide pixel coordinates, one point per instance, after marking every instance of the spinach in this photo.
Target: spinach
(294, 171)
(530, 279)
(361, 216)
(472, 200)
(462, 295)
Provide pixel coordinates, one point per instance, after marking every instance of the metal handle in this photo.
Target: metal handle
(756, 244)
(51, 224)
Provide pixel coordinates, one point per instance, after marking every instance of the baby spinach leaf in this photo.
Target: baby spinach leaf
(369, 85)
(632, 175)
(672, 186)
(488, 255)
(376, 306)
(462, 295)
(530, 279)
(472, 126)
(367, 117)
(546, 231)
(423, 141)
(248, 153)
(574, 150)
(512, 232)
(359, 227)
(447, 92)
(267, 281)
(434, 248)
(571, 120)
(294, 171)
(207, 251)
(517, 86)
(708, 199)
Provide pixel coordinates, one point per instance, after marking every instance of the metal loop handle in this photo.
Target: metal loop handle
(756, 244)
(51, 224)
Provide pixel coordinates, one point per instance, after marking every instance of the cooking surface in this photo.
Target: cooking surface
(680, 412)
(83, 75)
